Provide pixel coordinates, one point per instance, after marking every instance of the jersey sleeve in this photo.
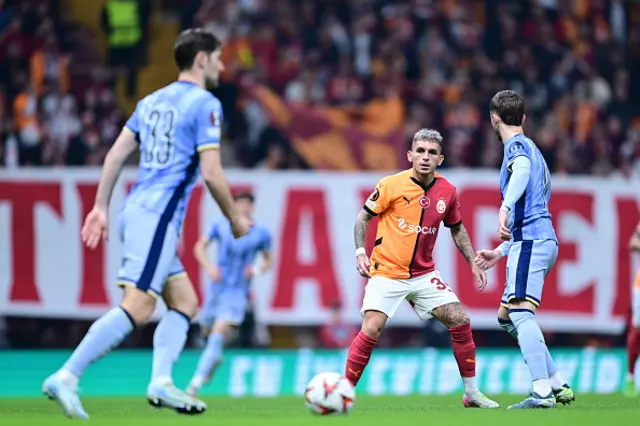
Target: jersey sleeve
(133, 123)
(265, 242)
(379, 199)
(209, 124)
(214, 233)
(515, 149)
(453, 217)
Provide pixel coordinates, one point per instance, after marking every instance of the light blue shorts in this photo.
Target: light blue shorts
(223, 303)
(528, 264)
(149, 250)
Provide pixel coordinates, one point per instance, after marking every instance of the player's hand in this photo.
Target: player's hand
(363, 265)
(503, 218)
(480, 275)
(94, 228)
(214, 274)
(240, 226)
(486, 259)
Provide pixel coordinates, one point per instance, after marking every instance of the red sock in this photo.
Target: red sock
(464, 349)
(633, 348)
(359, 354)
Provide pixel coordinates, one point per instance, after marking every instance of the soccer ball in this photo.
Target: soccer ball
(329, 393)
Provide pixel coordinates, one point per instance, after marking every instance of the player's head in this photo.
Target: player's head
(426, 151)
(244, 203)
(199, 51)
(507, 109)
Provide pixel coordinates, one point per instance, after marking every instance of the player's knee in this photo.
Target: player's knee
(373, 324)
(503, 313)
(223, 328)
(140, 305)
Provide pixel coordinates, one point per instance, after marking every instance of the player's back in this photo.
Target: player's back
(531, 218)
(167, 128)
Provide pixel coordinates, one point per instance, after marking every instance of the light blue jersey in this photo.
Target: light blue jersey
(227, 300)
(530, 218)
(172, 125)
(534, 248)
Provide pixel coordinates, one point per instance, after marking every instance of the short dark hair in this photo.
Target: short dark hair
(244, 196)
(190, 42)
(509, 106)
(427, 135)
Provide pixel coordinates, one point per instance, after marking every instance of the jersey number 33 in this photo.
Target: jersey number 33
(157, 141)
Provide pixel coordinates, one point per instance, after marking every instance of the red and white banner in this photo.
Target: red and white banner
(46, 271)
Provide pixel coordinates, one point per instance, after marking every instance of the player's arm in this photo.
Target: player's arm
(376, 204)
(453, 221)
(360, 230)
(260, 268)
(634, 242)
(463, 242)
(200, 253)
(122, 148)
(209, 124)
(520, 174)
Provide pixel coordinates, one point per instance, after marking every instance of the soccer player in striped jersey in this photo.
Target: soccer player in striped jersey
(177, 130)
(530, 244)
(410, 206)
(633, 327)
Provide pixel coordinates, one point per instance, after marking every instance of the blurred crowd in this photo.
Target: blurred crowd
(57, 103)
(573, 60)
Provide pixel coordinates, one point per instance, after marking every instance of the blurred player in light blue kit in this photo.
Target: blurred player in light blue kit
(230, 281)
(177, 130)
(531, 247)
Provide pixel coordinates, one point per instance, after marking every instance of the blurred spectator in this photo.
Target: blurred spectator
(50, 113)
(337, 334)
(125, 22)
(447, 58)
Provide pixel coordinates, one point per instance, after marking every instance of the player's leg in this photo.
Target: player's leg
(168, 342)
(382, 296)
(229, 312)
(633, 339)
(527, 266)
(136, 275)
(431, 296)
(561, 389)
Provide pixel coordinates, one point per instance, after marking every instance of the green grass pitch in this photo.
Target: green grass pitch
(609, 410)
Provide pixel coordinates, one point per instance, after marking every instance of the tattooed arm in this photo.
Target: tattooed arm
(463, 242)
(359, 236)
(360, 228)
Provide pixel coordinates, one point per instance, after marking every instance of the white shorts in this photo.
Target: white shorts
(149, 251)
(424, 294)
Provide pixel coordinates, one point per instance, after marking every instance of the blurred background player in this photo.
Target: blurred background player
(411, 205)
(633, 330)
(230, 283)
(176, 129)
(530, 244)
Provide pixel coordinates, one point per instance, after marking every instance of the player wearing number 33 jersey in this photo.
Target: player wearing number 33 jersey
(177, 132)
(172, 125)
(410, 207)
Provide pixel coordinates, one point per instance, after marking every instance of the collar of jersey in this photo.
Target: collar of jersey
(425, 188)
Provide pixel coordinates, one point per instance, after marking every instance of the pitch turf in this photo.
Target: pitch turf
(609, 410)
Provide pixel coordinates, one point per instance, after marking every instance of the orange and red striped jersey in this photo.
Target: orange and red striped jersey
(409, 219)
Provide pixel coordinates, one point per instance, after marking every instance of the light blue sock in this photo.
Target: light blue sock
(531, 343)
(508, 326)
(210, 356)
(168, 342)
(105, 334)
